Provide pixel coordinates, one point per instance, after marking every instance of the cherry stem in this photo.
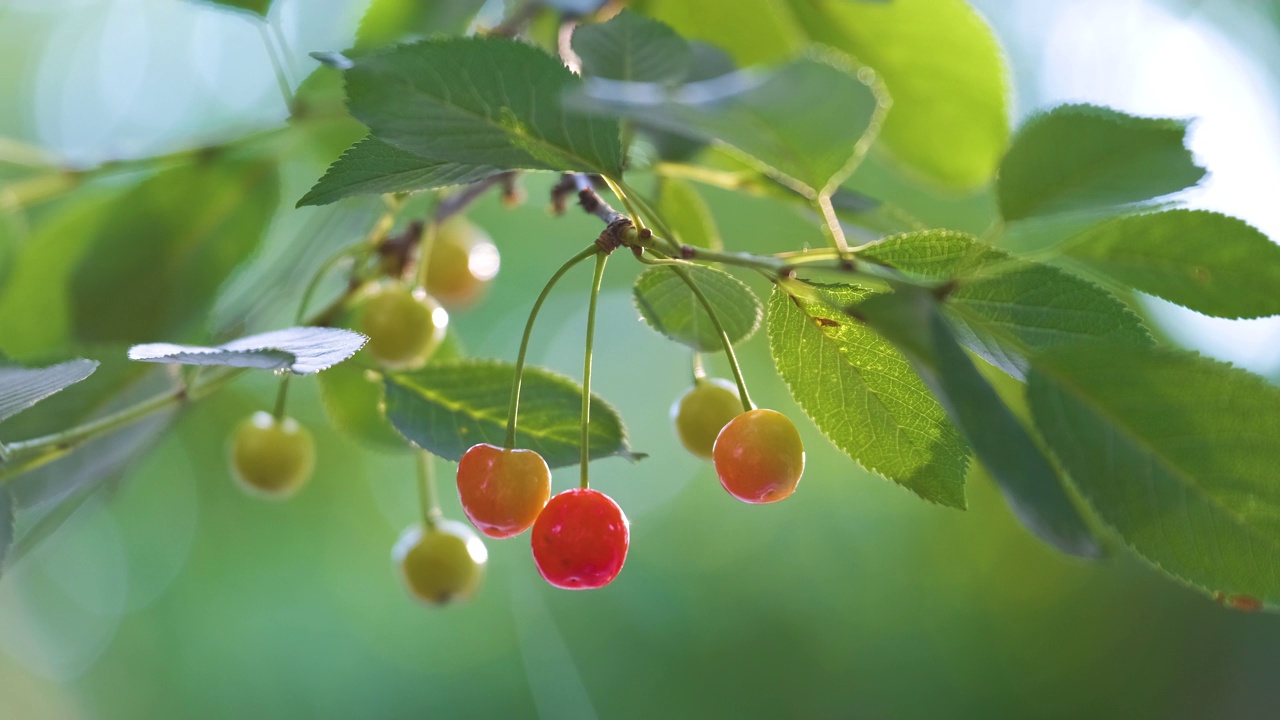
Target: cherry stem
(427, 495)
(654, 218)
(626, 202)
(699, 372)
(514, 406)
(834, 229)
(426, 241)
(282, 396)
(586, 365)
(277, 65)
(314, 283)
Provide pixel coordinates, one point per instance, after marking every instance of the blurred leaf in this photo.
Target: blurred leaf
(752, 31)
(1211, 263)
(161, 252)
(447, 408)
(21, 387)
(480, 101)
(1177, 452)
(302, 350)
(688, 215)
(355, 400)
(756, 116)
(1077, 157)
(910, 319)
(946, 73)
(1003, 307)
(577, 7)
(387, 22)
(670, 307)
(863, 395)
(257, 7)
(372, 167)
(633, 48)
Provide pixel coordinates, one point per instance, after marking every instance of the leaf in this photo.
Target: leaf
(1210, 263)
(163, 249)
(807, 123)
(864, 396)
(21, 387)
(634, 48)
(1177, 452)
(387, 22)
(1078, 157)
(1003, 307)
(752, 31)
(670, 307)
(257, 7)
(688, 215)
(480, 101)
(302, 350)
(911, 320)
(372, 167)
(945, 70)
(449, 407)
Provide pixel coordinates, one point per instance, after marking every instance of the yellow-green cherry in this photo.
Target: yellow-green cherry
(440, 564)
(405, 326)
(702, 411)
(272, 458)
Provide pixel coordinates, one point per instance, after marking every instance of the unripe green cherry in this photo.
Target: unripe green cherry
(441, 564)
(759, 456)
(461, 263)
(270, 457)
(702, 411)
(405, 326)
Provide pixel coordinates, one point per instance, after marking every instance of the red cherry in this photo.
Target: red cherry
(502, 491)
(759, 456)
(580, 540)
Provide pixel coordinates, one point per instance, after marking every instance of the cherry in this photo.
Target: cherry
(461, 263)
(270, 457)
(404, 326)
(502, 491)
(759, 456)
(580, 540)
(702, 411)
(440, 564)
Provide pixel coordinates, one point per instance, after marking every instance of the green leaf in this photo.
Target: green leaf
(670, 307)
(21, 387)
(372, 167)
(1211, 263)
(301, 350)
(945, 70)
(1177, 452)
(910, 318)
(1080, 157)
(387, 22)
(160, 254)
(448, 408)
(353, 400)
(807, 123)
(1003, 307)
(480, 101)
(688, 215)
(863, 395)
(257, 7)
(752, 31)
(633, 48)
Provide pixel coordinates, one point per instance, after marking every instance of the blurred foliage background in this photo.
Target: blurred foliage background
(168, 593)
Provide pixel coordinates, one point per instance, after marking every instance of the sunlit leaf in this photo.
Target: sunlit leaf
(1003, 307)
(670, 307)
(863, 394)
(688, 215)
(946, 73)
(386, 22)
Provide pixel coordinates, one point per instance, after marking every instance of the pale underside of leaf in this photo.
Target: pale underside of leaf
(301, 350)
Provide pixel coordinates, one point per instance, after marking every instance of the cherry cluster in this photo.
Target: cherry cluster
(580, 537)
